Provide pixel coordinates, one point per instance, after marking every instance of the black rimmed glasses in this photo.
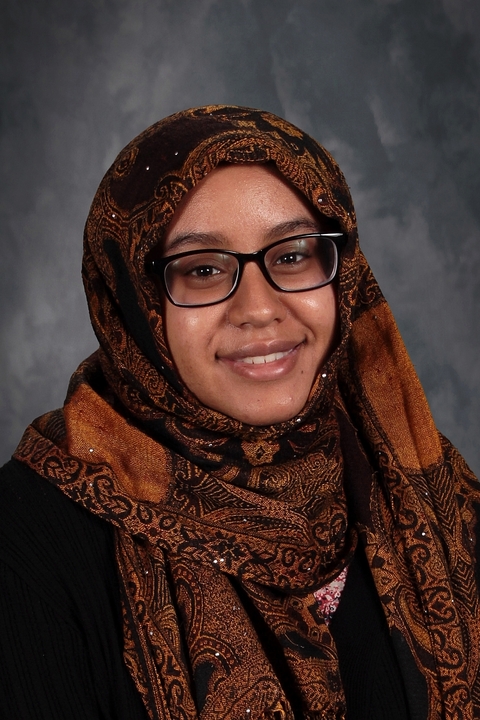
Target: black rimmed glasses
(208, 277)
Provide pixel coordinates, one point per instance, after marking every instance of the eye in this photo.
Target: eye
(290, 255)
(290, 258)
(204, 266)
(202, 271)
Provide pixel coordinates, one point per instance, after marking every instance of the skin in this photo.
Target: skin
(245, 208)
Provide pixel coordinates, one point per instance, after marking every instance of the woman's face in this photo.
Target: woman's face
(254, 356)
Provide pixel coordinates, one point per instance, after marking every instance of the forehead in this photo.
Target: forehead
(247, 202)
(234, 184)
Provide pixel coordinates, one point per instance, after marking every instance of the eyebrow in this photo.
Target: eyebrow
(291, 226)
(210, 240)
(183, 240)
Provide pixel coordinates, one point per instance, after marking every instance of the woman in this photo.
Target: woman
(244, 509)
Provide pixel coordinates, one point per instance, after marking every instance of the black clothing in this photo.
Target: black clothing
(60, 622)
(369, 668)
(60, 617)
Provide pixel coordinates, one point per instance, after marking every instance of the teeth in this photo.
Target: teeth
(263, 359)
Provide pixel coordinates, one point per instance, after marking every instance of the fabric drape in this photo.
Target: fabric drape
(224, 531)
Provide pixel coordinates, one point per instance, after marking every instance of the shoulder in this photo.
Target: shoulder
(61, 634)
(29, 504)
(53, 544)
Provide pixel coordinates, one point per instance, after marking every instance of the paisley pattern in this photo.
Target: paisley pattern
(225, 531)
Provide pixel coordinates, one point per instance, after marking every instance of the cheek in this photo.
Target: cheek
(331, 311)
(320, 313)
(188, 333)
(180, 334)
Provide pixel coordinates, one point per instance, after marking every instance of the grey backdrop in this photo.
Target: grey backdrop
(391, 87)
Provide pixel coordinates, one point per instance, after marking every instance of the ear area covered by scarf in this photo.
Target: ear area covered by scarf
(390, 387)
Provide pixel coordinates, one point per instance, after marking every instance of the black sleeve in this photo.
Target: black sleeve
(61, 638)
(44, 666)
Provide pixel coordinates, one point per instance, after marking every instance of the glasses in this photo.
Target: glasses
(208, 277)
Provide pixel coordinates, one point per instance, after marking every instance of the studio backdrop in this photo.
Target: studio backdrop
(390, 87)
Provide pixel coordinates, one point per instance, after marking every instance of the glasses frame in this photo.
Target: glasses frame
(258, 257)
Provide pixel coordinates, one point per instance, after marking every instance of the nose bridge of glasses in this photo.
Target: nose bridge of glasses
(257, 258)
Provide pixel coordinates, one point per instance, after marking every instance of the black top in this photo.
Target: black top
(60, 620)
(60, 623)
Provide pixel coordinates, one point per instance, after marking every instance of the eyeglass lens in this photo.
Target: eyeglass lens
(299, 263)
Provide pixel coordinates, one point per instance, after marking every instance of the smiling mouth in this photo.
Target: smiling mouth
(264, 359)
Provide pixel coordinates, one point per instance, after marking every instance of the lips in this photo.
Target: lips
(261, 353)
(264, 359)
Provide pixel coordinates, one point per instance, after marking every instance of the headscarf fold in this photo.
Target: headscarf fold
(223, 530)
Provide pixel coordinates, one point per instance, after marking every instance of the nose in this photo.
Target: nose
(255, 302)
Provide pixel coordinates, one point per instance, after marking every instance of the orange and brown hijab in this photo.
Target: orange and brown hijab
(222, 528)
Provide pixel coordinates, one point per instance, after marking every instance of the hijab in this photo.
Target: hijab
(223, 530)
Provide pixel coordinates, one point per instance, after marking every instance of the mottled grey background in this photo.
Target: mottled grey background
(391, 87)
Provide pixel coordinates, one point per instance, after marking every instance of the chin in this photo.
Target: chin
(263, 419)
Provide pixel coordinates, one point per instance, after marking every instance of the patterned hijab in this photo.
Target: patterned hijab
(223, 530)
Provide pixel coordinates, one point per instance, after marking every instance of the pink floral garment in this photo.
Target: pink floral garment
(328, 597)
